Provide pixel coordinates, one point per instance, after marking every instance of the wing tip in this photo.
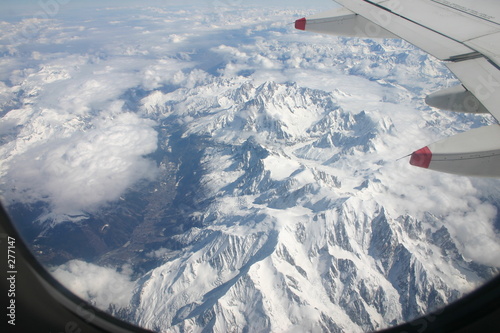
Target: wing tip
(421, 158)
(300, 24)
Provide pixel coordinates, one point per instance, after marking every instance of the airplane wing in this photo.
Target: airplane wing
(465, 35)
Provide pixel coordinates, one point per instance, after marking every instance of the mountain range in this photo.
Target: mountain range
(233, 174)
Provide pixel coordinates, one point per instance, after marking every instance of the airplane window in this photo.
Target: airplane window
(205, 166)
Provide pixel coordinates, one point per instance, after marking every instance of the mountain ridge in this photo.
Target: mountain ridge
(263, 191)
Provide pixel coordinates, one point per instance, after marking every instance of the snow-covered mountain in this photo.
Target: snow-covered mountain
(282, 242)
(233, 174)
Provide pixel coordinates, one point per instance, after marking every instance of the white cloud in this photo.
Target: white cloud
(88, 168)
(101, 286)
(460, 203)
(470, 221)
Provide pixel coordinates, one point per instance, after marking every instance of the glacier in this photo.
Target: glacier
(223, 172)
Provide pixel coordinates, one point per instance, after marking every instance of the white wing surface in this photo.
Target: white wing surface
(466, 36)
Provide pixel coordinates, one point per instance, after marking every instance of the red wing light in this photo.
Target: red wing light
(421, 158)
(301, 24)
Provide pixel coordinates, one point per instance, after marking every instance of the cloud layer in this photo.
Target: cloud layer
(101, 286)
(87, 168)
